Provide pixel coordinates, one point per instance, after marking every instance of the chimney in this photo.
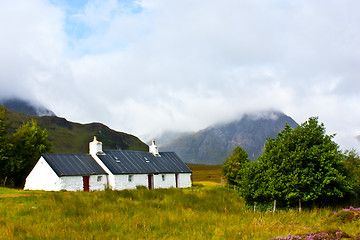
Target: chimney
(95, 146)
(154, 149)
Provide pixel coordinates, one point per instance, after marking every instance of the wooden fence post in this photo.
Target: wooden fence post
(299, 204)
(254, 206)
(274, 206)
(5, 181)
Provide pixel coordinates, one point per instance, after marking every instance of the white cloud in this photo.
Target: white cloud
(144, 66)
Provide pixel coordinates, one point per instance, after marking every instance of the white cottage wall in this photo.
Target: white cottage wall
(42, 177)
(164, 180)
(123, 181)
(98, 182)
(184, 180)
(72, 183)
(76, 183)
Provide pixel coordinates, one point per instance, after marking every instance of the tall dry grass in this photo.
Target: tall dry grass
(193, 213)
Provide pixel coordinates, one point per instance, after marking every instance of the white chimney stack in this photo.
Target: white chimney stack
(154, 149)
(95, 146)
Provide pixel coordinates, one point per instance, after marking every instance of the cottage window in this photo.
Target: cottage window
(130, 178)
(99, 178)
(163, 177)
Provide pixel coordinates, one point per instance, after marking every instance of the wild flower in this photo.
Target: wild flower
(351, 208)
(315, 236)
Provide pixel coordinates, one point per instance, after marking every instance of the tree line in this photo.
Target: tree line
(20, 151)
(299, 167)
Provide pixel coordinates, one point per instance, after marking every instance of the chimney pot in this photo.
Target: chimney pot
(95, 146)
(154, 149)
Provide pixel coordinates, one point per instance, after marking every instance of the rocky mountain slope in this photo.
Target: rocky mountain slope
(213, 144)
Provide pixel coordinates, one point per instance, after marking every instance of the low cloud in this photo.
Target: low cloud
(147, 66)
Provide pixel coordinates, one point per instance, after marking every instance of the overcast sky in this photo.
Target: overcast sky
(147, 65)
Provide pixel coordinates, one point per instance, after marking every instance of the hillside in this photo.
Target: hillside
(70, 137)
(213, 144)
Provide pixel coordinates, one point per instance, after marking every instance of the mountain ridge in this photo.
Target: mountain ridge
(213, 144)
(72, 137)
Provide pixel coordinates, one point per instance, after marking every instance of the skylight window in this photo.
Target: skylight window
(116, 158)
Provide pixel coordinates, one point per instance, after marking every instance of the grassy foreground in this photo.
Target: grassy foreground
(194, 213)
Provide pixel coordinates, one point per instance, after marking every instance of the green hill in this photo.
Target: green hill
(70, 137)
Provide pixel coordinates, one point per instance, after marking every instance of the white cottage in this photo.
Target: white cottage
(72, 172)
(115, 169)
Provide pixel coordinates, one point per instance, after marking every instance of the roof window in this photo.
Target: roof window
(116, 158)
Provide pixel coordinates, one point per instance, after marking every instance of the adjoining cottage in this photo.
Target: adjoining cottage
(114, 169)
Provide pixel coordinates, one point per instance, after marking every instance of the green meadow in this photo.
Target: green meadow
(193, 213)
(205, 211)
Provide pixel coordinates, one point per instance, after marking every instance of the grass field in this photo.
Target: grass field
(193, 213)
(205, 211)
(206, 174)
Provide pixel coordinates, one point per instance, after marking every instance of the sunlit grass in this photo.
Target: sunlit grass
(201, 212)
(207, 183)
(207, 174)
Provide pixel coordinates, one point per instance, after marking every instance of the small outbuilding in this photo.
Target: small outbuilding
(114, 169)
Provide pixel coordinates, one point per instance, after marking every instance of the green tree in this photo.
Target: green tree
(301, 164)
(4, 144)
(29, 142)
(352, 165)
(234, 165)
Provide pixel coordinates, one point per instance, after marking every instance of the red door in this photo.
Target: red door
(177, 180)
(150, 181)
(86, 183)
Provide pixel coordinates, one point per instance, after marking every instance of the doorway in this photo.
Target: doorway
(176, 180)
(86, 183)
(150, 181)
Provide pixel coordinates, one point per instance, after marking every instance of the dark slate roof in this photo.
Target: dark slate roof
(73, 164)
(120, 161)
